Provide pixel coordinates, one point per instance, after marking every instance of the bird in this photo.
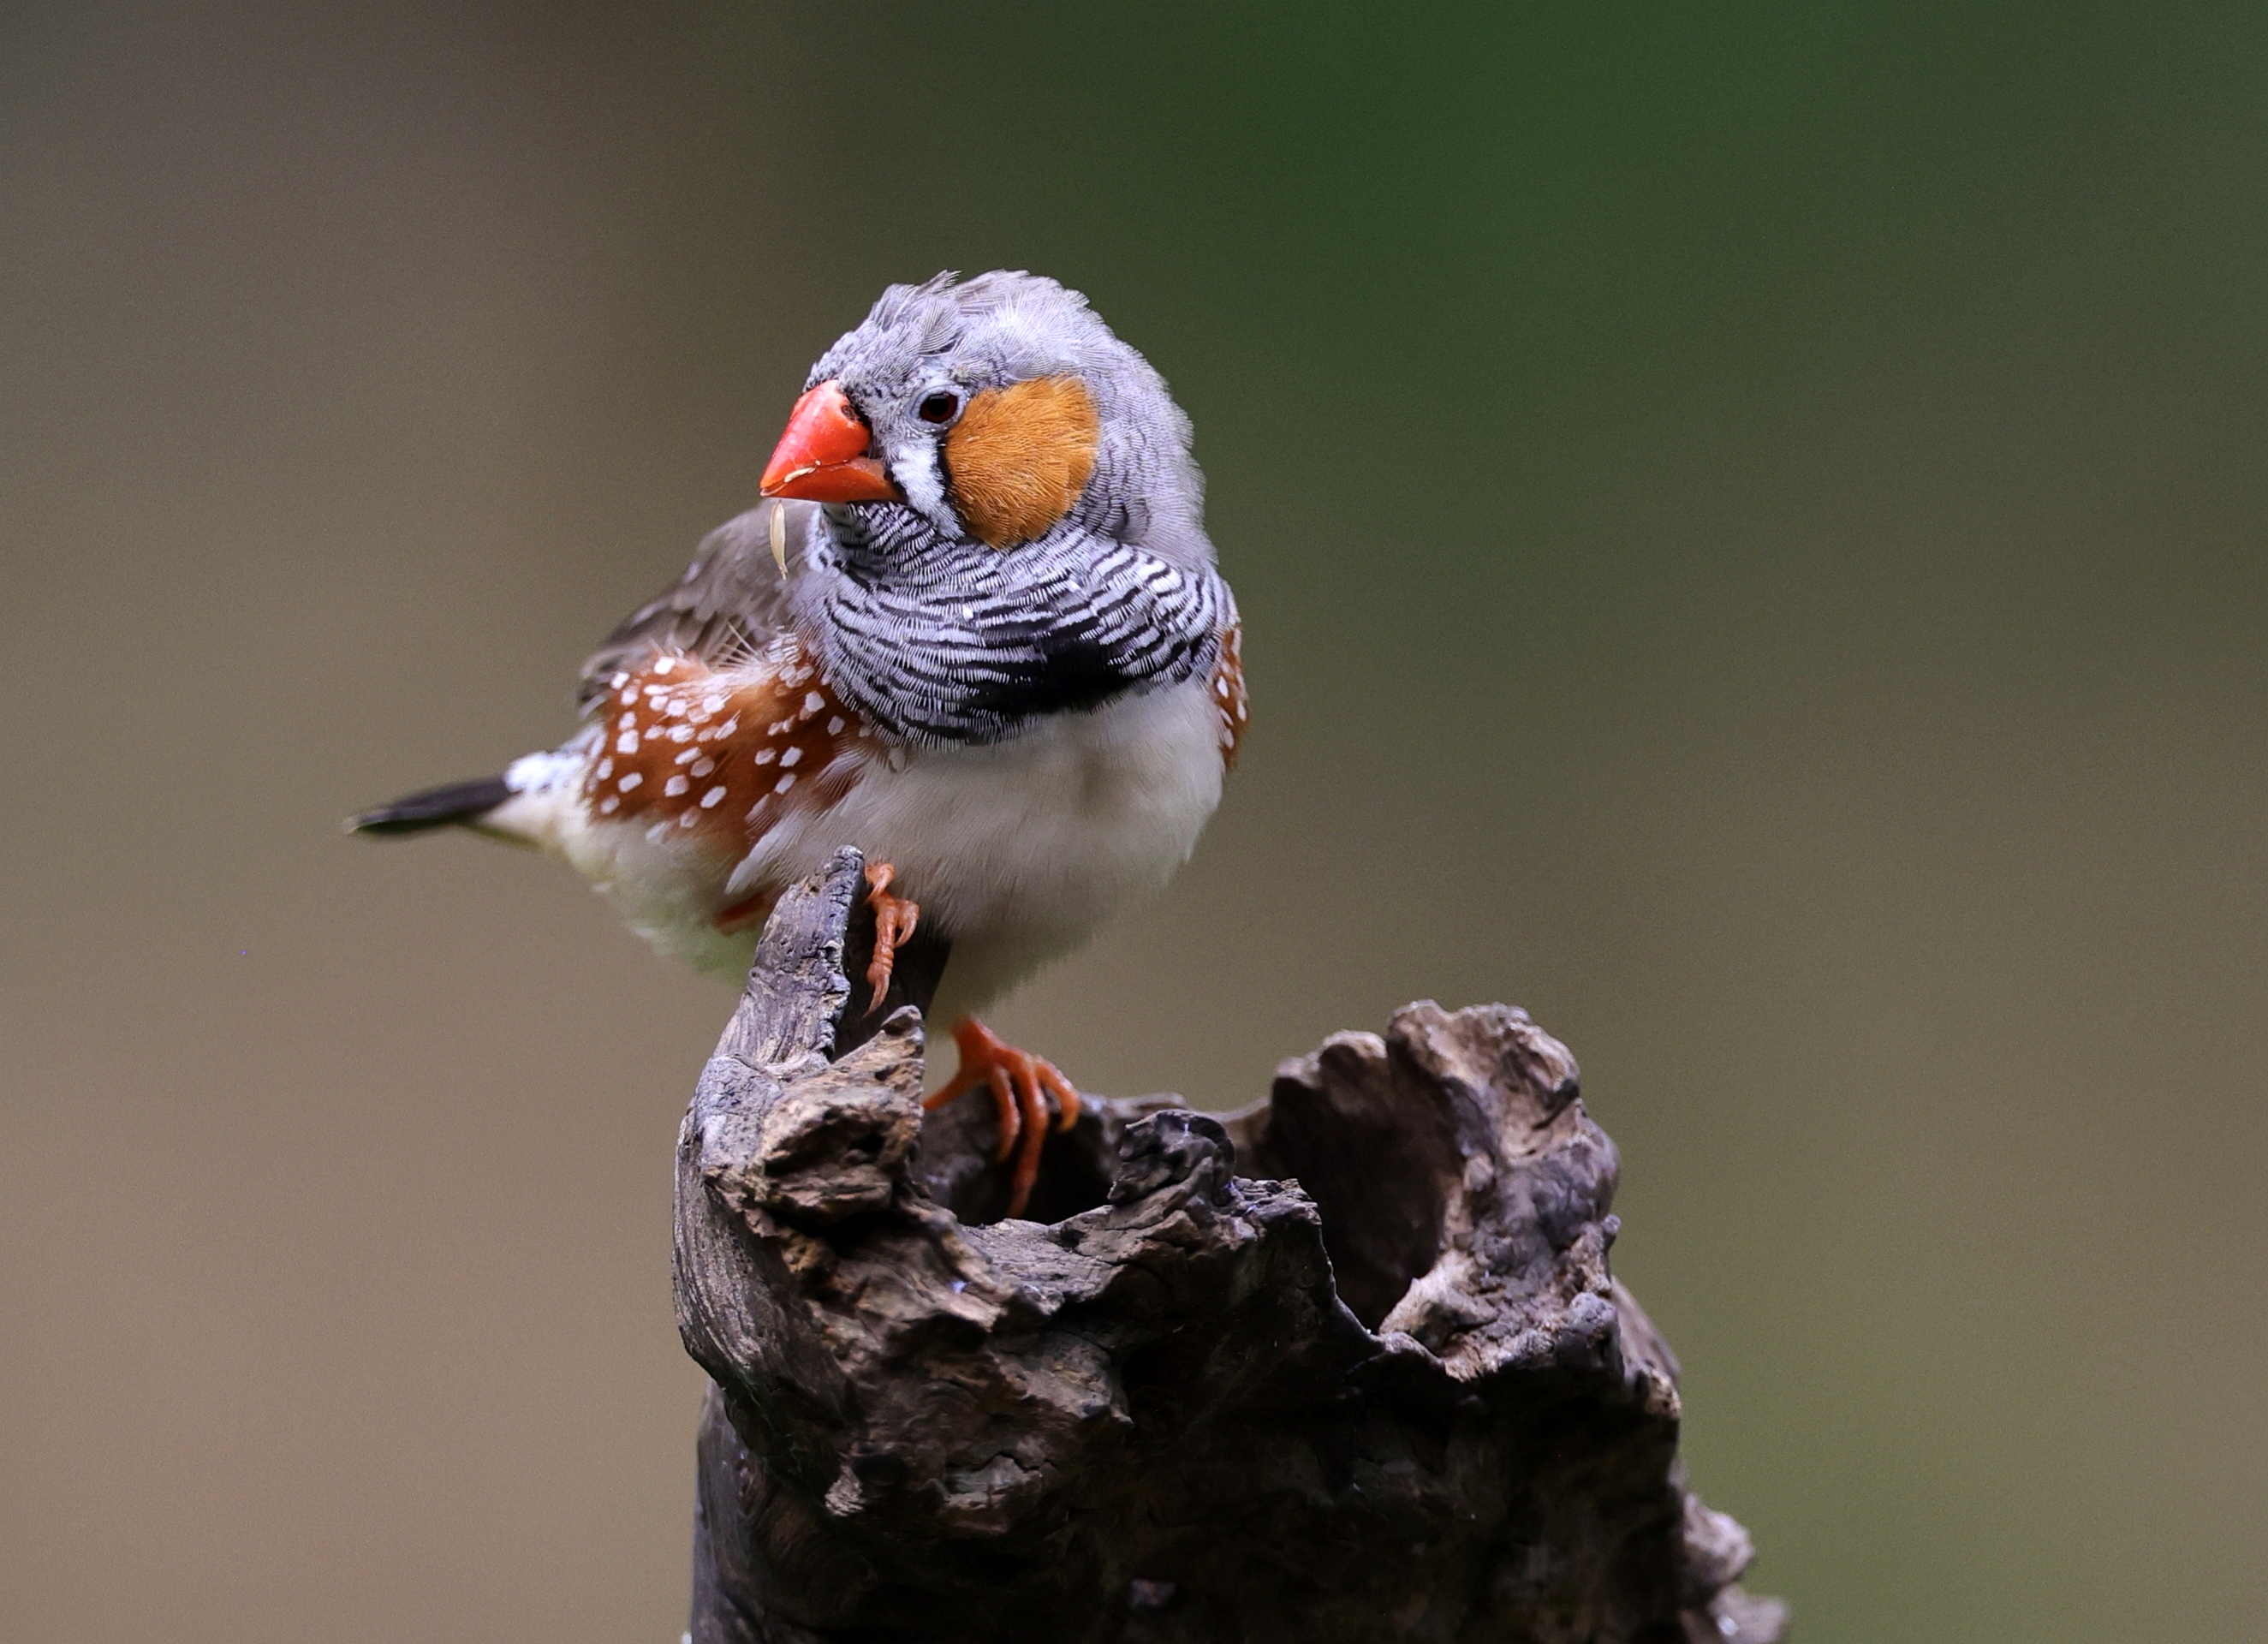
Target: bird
(972, 627)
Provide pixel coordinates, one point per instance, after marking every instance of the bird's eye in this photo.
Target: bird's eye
(939, 408)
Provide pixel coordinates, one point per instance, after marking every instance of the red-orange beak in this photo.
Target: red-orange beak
(823, 456)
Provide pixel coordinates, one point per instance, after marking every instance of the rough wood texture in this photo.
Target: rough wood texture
(1399, 1397)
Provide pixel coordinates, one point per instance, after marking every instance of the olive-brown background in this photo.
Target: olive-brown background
(1749, 525)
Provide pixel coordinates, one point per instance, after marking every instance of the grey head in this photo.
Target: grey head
(1010, 523)
(1004, 411)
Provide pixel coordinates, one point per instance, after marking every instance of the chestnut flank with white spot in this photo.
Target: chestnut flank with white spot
(725, 726)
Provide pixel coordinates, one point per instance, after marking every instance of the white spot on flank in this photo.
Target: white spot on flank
(765, 755)
(834, 725)
(626, 720)
(709, 799)
(619, 680)
(729, 726)
(681, 733)
(629, 696)
(665, 665)
(813, 702)
(794, 756)
(688, 819)
(684, 756)
(675, 786)
(627, 743)
(785, 783)
(630, 782)
(609, 805)
(702, 766)
(605, 769)
(712, 704)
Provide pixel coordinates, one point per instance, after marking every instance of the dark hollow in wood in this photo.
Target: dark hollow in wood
(1347, 1366)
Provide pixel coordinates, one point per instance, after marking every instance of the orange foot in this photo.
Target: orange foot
(1020, 1084)
(894, 918)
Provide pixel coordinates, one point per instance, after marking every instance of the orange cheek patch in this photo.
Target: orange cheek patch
(1020, 456)
(719, 756)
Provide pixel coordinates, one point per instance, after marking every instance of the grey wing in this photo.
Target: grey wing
(729, 604)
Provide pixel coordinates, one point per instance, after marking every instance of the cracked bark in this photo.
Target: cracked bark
(1348, 1365)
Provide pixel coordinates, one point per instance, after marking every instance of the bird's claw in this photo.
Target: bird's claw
(894, 919)
(1020, 1084)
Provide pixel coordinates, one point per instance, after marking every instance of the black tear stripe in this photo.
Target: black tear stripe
(937, 647)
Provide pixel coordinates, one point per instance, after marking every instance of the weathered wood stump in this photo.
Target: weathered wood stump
(1346, 1366)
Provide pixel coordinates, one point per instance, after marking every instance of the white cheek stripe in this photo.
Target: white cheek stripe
(914, 468)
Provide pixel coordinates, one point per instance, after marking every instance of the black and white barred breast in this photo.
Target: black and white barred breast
(939, 643)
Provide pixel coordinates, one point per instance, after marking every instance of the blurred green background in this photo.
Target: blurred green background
(1749, 522)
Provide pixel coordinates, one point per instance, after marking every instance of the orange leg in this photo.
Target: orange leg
(1020, 1084)
(894, 918)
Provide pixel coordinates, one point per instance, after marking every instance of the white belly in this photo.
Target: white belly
(1017, 851)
